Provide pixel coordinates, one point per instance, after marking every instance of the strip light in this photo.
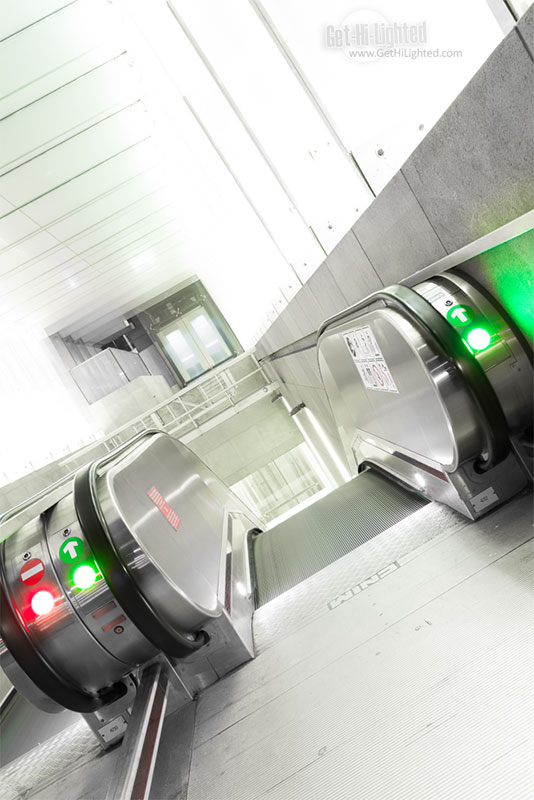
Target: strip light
(343, 471)
(319, 464)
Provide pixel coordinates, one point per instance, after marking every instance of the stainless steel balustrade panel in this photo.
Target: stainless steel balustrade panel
(429, 415)
(177, 570)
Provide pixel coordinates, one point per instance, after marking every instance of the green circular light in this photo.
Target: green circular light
(478, 339)
(84, 577)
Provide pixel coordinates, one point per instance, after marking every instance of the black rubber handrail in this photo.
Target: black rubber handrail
(448, 343)
(121, 583)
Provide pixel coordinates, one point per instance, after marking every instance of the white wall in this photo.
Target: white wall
(42, 413)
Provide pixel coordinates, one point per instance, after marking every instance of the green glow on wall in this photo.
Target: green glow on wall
(509, 269)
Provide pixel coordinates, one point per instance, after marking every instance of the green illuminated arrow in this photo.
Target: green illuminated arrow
(71, 550)
(460, 315)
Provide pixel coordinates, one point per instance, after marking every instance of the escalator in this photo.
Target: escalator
(147, 581)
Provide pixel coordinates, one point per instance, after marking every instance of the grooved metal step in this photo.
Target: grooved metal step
(327, 530)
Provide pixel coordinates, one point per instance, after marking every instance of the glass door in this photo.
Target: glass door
(186, 355)
(194, 344)
(207, 336)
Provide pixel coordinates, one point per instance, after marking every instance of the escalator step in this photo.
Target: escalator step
(327, 530)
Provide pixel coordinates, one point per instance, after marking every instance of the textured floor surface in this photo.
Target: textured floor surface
(414, 682)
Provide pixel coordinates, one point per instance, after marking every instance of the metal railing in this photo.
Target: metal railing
(183, 413)
(190, 408)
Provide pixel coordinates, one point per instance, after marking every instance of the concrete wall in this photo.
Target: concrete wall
(157, 366)
(234, 449)
(472, 173)
(130, 401)
(251, 439)
(73, 352)
(25, 487)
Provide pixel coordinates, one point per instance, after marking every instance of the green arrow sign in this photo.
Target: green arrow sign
(71, 550)
(460, 316)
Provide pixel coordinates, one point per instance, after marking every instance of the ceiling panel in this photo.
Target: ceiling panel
(66, 111)
(131, 261)
(94, 184)
(5, 206)
(109, 203)
(108, 185)
(99, 290)
(152, 209)
(128, 242)
(44, 272)
(49, 283)
(16, 16)
(32, 247)
(97, 328)
(44, 278)
(60, 47)
(15, 227)
(75, 156)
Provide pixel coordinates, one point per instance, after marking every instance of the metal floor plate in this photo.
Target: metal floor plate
(416, 686)
(327, 530)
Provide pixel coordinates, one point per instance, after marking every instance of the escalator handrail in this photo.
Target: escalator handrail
(62, 482)
(429, 321)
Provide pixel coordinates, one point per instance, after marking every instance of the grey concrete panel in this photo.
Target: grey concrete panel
(263, 346)
(309, 357)
(291, 322)
(279, 333)
(352, 270)
(307, 311)
(474, 170)
(526, 29)
(395, 233)
(296, 370)
(326, 291)
(345, 276)
(301, 368)
(247, 441)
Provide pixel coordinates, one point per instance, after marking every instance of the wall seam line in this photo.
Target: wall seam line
(367, 256)
(524, 43)
(423, 210)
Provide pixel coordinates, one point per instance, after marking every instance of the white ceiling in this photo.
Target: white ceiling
(89, 222)
(128, 166)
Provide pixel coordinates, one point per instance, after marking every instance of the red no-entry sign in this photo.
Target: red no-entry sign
(32, 572)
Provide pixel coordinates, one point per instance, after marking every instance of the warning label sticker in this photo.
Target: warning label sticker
(369, 360)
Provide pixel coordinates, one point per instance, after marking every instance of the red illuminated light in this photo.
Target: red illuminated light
(42, 603)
